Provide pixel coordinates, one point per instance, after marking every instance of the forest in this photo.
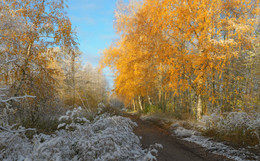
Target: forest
(41, 71)
(192, 57)
(192, 61)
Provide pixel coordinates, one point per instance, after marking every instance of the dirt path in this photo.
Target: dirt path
(173, 149)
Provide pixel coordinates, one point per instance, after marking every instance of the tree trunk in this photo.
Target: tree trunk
(140, 103)
(199, 107)
(24, 69)
(149, 100)
(73, 79)
(134, 104)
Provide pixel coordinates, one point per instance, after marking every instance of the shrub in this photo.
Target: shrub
(106, 137)
(238, 127)
(149, 109)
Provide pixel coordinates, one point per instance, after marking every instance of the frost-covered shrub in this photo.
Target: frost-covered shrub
(13, 143)
(183, 133)
(73, 119)
(10, 135)
(211, 145)
(212, 121)
(108, 109)
(105, 138)
(238, 126)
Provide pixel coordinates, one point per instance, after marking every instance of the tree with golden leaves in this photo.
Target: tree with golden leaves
(180, 50)
(30, 33)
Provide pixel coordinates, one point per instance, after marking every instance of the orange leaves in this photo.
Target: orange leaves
(177, 45)
(30, 29)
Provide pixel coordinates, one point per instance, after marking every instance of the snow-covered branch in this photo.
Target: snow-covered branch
(105, 138)
(7, 62)
(15, 98)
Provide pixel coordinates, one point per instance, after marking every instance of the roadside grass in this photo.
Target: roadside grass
(238, 129)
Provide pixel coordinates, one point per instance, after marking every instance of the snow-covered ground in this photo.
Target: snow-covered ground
(228, 124)
(212, 146)
(105, 138)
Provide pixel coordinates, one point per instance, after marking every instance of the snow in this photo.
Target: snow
(4, 99)
(234, 121)
(222, 149)
(212, 146)
(182, 132)
(105, 138)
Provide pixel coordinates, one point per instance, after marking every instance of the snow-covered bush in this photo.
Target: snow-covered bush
(73, 119)
(183, 133)
(213, 146)
(108, 109)
(13, 142)
(237, 125)
(105, 138)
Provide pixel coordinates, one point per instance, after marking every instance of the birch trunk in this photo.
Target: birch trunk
(199, 108)
(140, 103)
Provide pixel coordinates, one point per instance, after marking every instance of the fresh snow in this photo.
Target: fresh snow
(105, 138)
(228, 124)
(213, 146)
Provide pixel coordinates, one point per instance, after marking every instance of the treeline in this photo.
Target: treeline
(187, 57)
(40, 68)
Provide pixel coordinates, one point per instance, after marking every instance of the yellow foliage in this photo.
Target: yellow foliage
(175, 45)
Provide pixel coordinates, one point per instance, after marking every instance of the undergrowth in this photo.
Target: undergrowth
(240, 128)
(102, 137)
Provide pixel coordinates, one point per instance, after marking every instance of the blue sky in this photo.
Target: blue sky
(93, 20)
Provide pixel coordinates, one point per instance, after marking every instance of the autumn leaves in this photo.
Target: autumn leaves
(173, 48)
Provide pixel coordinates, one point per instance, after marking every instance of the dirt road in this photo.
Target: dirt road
(173, 149)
